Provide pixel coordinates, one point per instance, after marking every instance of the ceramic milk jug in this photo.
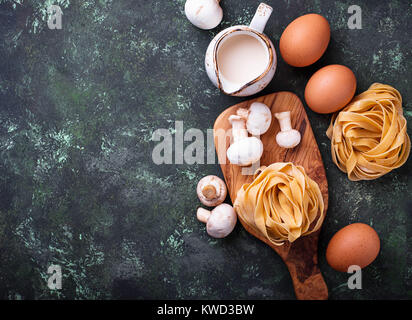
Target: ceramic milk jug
(241, 60)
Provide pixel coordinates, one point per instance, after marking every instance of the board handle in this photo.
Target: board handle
(302, 262)
(312, 288)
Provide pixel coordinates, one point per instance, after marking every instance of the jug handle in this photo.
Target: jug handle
(261, 17)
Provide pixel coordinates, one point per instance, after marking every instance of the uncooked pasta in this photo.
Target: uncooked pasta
(369, 137)
(282, 203)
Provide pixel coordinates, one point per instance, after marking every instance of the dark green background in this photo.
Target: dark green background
(78, 186)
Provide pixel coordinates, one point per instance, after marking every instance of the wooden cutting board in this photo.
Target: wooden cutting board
(301, 256)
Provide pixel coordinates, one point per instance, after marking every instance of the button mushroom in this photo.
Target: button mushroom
(287, 137)
(204, 14)
(258, 118)
(244, 150)
(211, 191)
(220, 221)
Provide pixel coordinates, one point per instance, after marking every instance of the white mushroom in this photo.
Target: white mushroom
(211, 191)
(244, 150)
(220, 221)
(258, 118)
(287, 137)
(204, 14)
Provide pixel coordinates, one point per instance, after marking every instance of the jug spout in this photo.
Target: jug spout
(228, 87)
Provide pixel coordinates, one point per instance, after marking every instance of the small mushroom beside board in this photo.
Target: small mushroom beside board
(300, 256)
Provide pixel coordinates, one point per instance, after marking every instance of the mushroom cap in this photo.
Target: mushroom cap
(211, 191)
(205, 14)
(222, 221)
(259, 119)
(245, 152)
(288, 139)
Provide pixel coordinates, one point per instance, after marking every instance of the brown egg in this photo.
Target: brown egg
(330, 88)
(356, 244)
(305, 40)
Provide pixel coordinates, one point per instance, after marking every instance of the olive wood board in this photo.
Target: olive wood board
(301, 256)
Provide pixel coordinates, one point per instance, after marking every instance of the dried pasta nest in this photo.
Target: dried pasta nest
(282, 203)
(369, 137)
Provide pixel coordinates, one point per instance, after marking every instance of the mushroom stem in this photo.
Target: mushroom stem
(239, 131)
(209, 191)
(284, 120)
(203, 215)
(287, 137)
(243, 113)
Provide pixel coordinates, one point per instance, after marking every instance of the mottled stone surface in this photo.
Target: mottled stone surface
(78, 186)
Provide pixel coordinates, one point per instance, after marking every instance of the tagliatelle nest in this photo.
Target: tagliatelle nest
(369, 137)
(282, 203)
